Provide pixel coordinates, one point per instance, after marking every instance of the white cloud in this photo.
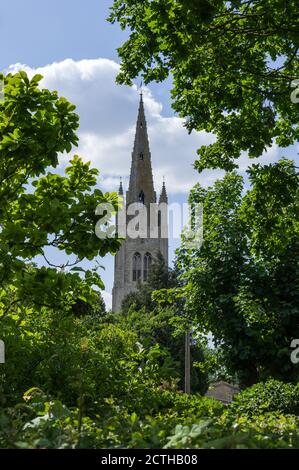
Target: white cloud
(107, 124)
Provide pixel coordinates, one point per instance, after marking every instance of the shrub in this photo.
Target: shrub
(272, 395)
(263, 432)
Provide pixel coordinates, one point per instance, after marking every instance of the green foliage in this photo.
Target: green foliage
(245, 275)
(163, 326)
(50, 424)
(69, 356)
(267, 397)
(232, 65)
(90, 384)
(97, 307)
(214, 366)
(265, 415)
(267, 431)
(180, 422)
(41, 210)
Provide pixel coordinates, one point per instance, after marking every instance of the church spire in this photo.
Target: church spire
(141, 187)
(134, 258)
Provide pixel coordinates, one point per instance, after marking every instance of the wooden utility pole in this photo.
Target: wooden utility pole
(187, 361)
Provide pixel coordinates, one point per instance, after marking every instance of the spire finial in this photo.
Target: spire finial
(141, 88)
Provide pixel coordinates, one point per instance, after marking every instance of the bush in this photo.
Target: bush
(267, 431)
(262, 416)
(42, 423)
(272, 395)
(181, 422)
(184, 405)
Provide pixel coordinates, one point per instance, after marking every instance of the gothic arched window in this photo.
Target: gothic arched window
(147, 261)
(136, 267)
(141, 197)
(141, 156)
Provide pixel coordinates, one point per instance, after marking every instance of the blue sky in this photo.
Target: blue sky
(39, 32)
(74, 47)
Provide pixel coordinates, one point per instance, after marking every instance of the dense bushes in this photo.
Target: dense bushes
(59, 427)
(38, 422)
(174, 421)
(71, 358)
(96, 382)
(264, 431)
(266, 397)
(99, 382)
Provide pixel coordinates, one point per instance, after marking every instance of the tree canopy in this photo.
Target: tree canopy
(242, 284)
(233, 66)
(41, 210)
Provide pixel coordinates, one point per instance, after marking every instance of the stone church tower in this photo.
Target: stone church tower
(136, 254)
